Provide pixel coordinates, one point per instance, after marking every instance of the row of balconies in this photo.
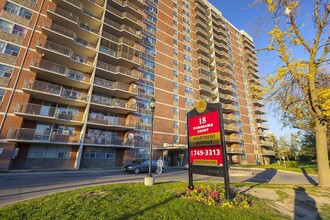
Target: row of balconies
(63, 137)
(122, 40)
(127, 30)
(129, 5)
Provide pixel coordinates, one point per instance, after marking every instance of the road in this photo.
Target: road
(15, 187)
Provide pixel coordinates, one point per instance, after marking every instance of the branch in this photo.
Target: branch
(296, 31)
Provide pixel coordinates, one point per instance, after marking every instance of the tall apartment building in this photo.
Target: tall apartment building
(77, 77)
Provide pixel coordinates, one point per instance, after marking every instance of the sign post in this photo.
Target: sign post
(206, 143)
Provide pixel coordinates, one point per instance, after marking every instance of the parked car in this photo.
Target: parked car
(140, 166)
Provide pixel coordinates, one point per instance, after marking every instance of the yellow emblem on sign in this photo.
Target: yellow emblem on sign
(205, 162)
(201, 106)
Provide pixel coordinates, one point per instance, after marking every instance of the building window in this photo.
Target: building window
(175, 51)
(188, 58)
(188, 90)
(175, 73)
(188, 78)
(6, 71)
(189, 102)
(99, 153)
(187, 67)
(175, 62)
(176, 98)
(54, 151)
(176, 124)
(15, 9)
(2, 94)
(176, 111)
(176, 85)
(187, 48)
(12, 28)
(9, 49)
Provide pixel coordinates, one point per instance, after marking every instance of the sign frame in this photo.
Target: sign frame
(204, 108)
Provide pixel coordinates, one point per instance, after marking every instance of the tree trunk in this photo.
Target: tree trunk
(322, 155)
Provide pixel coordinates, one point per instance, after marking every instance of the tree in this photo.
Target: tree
(300, 84)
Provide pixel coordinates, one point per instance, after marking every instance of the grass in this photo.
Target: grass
(291, 166)
(131, 201)
(325, 212)
(282, 195)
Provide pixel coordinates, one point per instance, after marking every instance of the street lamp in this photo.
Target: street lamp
(152, 107)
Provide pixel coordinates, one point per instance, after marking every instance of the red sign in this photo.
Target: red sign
(205, 139)
(204, 124)
(211, 155)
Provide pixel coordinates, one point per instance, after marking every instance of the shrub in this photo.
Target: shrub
(214, 195)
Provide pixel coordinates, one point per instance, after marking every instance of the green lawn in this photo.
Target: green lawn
(291, 166)
(131, 201)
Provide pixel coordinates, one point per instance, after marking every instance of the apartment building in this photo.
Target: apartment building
(77, 78)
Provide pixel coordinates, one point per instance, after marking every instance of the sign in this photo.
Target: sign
(206, 143)
(208, 170)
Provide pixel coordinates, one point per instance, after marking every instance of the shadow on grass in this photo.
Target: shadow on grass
(310, 179)
(304, 205)
(260, 178)
(140, 212)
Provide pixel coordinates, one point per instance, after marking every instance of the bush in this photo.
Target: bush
(214, 195)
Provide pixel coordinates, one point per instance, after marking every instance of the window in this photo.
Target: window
(175, 51)
(188, 90)
(189, 101)
(175, 42)
(188, 78)
(185, 29)
(175, 22)
(188, 58)
(187, 67)
(175, 62)
(186, 38)
(175, 5)
(176, 124)
(9, 49)
(6, 71)
(176, 98)
(175, 73)
(99, 153)
(54, 151)
(176, 85)
(176, 111)
(186, 21)
(175, 32)
(2, 94)
(12, 28)
(175, 14)
(187, 48)
(15, 9)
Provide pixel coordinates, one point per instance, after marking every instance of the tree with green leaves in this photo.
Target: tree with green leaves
(300, 85)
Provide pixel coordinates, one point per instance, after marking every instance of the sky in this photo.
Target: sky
(244, 16)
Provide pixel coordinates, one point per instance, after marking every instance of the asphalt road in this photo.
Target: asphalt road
(15, 187)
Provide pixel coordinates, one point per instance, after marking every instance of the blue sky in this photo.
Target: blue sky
(244, 16)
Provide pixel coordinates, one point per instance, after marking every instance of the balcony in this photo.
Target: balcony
(233, 138)
(230, 117)
(121, 57)
(228, 98)
(260, 118)
(129, 18)
(72, 22)
(129, 6)
(258, 103)
(226, 89)
(259, 110)
(8, 14)
(102, 140)
(266, 143)
(122, 40)
(118, 106)
(201, 40)
(263, 126)
(112, 123)
(229, 108)
(111, 26)
(65, 56)
(116, 73)
(268, 153)
(231, 128)
(203, 50)
(204, 58)
(206, 90)
(226, 79)
(237, 151)
(88, 12)
(41, 136)
(201, 32)
(54, 93)
(205, 77)
(44, 113)
(69, 39)
(117, 88)
(60, 74)
(26, 3)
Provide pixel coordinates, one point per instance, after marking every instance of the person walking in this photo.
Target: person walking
(160, 165)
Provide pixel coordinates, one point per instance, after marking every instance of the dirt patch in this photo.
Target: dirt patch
(298, 203)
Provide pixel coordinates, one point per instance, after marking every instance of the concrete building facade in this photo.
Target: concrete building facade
(77, 77)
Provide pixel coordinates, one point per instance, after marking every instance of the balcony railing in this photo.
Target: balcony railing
(114, 85)
(118, 69)
(118, 103)
(120, 54)
(236, 138)
(268, 152)
(53, 89)
(112, 121)
(123, 27)
(129, 4)
(124, 15)
(65, 51)
(43, 111)
(83, 9)
(33, 135)
(121, 40)
(72, 17)
(109, 141)
(63, 70)
(234, 150)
